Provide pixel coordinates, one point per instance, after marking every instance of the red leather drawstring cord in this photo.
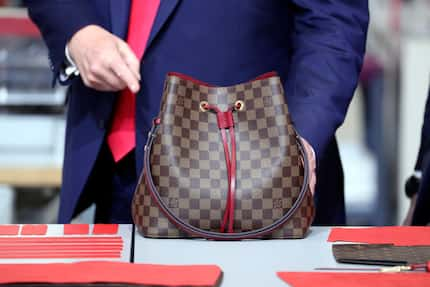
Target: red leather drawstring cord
(228, 164)
(232, 180)
(225, 121)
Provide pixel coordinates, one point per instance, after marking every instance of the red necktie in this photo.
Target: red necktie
(122, 135)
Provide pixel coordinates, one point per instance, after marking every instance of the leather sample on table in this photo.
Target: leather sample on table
(41, 243)
(380, 254)
(9, 229)
(357, 279)
(397, 235)
(75, 229)
(110, 272)
(34, 229)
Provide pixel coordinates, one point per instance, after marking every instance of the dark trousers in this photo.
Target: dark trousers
(329, 190)
(111, 187)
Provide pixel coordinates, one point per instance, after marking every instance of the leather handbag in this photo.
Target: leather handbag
(223, 163)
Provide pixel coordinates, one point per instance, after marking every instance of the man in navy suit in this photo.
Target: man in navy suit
(316, 46)
(417, 187)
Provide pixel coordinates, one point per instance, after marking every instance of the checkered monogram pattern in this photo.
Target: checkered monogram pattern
(188, 166)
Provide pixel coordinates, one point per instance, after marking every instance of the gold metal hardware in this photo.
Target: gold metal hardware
(204, 106)
(239, 105)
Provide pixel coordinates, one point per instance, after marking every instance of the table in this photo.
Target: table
(244, 263)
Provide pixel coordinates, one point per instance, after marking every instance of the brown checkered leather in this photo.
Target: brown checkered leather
(188, 169)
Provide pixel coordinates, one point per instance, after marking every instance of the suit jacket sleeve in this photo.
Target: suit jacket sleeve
(58, 20)
(328, 40)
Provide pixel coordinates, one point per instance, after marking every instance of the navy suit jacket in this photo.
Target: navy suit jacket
(421, 215)
(316, 46)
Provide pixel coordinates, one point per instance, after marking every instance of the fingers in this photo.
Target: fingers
(110, 73)
(105, 62)
(129, 58)
(313, 182)
(106, 82)
(310, 153)
(125, 74)
(116, 83)
(99, 75)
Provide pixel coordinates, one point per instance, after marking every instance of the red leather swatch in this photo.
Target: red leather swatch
(110, 272)
(9, 229)
(61, 247)
(341, 279)
(62, 239)
(105, 229)
(76, 229)
(397, 235)
(60, 255)
(34, 229)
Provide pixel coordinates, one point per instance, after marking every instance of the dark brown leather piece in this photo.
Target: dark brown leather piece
(380, 254)
(188, 163)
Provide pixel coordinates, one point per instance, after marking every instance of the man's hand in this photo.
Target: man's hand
(105, 62)
(310, 153)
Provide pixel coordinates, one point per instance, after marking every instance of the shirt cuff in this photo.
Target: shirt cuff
(69, 69)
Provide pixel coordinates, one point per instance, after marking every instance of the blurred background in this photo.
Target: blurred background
(379, 140)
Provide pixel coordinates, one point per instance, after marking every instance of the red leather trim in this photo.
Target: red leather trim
(56, 248)
(61, 239)
(60, 255)
(266, 75)
(225, 120)
(34, 229)
(232, 192)
(74, 229)
(188, 78)
(110, 229)
(226, 216)
(43, 247)
(198, 82)
(157, 121)
(9, 229)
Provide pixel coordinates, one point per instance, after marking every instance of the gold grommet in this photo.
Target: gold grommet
(203, 106)
(239, 105)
